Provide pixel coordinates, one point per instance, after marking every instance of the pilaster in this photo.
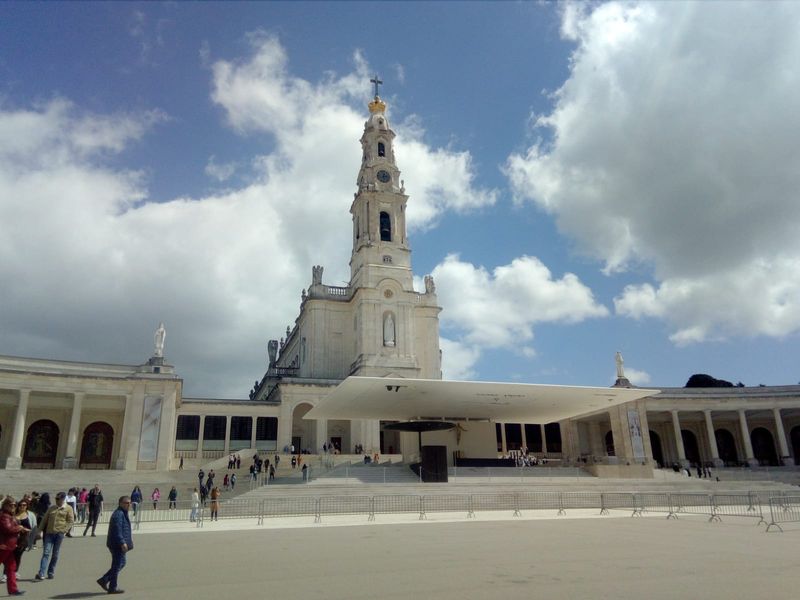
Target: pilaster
(14, 460)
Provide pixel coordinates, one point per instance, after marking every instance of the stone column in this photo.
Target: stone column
(253, 428)
(228, 420)
(200, 436)
(544, 439)
(322, 433)
(676, 428)
(746, 442)
(782, 445)
(712, 439)
(122, 453)
(70, 461)
(503, 447)
(596, 442)
(14, 460)
(524, 437)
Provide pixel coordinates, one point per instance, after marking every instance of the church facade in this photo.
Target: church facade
(60, 414)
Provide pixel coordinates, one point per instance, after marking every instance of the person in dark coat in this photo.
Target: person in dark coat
(119, 542)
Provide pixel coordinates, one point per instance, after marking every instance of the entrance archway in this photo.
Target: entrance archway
(726, 446)
(764, 446)
(304, 432)
(610, 444)
(658, 452)
(690, 447)
(41, 445)
(96, 447)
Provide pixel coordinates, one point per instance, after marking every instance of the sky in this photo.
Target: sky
(584, 178)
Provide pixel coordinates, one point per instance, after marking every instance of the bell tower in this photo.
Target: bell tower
(380, 246)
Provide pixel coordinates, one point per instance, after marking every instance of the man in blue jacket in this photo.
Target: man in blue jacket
(119, 542)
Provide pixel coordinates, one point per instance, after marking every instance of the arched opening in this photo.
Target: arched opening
(96, 447)
(658, 452)
(794, 436)
(41, 445)
(381, 149)
(690, 447)
(764, 447)
(610, 444)
(303, 430)
(726, 445)
(386, 227)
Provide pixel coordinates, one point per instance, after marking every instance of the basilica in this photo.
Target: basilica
(361, 367)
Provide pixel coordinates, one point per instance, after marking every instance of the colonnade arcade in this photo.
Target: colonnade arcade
(731, 437)
(47, 429)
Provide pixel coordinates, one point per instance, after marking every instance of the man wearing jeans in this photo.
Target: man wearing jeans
(119, 542)
(56, 522)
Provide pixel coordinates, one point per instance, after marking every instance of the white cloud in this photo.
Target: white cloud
(673, 144)
(85, 244)
(458, 360)
(635, 376)
(499, 309)
(220, 172)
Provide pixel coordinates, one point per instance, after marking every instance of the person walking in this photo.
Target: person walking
(173, 498)
(82, 499)
(215, 494)
(27, 519)
(72, 501)
(56, 522)
(136, 499)
(155, 497)
(195, 505)
(94, 502)
(119, 542)
(233, 481)
(10, 531)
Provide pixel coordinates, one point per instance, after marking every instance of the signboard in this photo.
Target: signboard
(635, 428)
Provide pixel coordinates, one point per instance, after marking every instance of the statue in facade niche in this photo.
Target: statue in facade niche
(316, 275)
(430, 286)
(303, 295)
(288, 331)
(620, 365)
(159, 337)
(388, 331)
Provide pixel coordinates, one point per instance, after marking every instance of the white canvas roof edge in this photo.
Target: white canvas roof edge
(367, 398)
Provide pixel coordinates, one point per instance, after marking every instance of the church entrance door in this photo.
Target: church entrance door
(41, 445)
(304, 431)
(98, 441)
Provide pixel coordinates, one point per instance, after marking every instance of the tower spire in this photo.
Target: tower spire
(377, 82)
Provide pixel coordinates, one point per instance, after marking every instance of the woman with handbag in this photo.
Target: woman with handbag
(9, 536)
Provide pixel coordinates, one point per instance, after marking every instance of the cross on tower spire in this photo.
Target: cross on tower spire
(377, 82)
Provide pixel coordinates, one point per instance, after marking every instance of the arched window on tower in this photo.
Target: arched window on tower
(381, 149)
(386, 227)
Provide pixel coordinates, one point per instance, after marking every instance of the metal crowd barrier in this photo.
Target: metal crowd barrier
(783, 509)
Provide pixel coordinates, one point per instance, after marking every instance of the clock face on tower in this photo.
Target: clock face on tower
(384, 177)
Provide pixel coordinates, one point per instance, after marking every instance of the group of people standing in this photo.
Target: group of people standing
(23, 522)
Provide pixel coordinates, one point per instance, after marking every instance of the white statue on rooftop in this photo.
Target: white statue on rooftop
(620, 366)
(159, 337)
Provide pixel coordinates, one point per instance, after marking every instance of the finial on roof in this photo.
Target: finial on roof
(377, 105)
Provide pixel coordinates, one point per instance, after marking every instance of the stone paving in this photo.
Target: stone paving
(536, 556)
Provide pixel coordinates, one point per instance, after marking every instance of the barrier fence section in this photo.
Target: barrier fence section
(736, 505)
(783, 509)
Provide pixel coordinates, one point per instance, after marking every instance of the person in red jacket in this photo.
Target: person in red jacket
(9, 534)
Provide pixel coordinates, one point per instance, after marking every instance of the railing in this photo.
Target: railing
(784, 508)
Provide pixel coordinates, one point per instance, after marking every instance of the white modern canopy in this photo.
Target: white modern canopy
(398, 399)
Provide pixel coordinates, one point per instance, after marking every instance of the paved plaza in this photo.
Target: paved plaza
(616, 557)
